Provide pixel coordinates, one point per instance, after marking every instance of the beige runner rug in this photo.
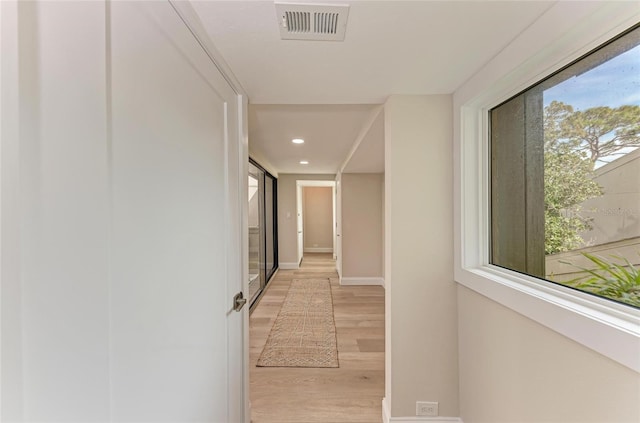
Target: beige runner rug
(304, 333)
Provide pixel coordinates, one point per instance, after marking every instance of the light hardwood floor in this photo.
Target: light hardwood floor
(349, 394)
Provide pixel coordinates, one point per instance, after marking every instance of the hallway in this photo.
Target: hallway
(351, 393)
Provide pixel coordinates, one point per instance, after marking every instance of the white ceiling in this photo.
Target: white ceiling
(329, 132)
(391, 47)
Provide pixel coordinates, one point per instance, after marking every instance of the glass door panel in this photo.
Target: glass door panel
(263, 233)
(255, 231)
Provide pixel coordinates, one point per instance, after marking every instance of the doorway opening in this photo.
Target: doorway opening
(315, 218)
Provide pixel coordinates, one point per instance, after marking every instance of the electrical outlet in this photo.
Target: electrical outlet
(424, 408)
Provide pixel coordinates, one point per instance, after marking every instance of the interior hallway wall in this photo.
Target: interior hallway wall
(317, 206)
(362, 225)
(510, 365)
(287, 228)
(421, 316)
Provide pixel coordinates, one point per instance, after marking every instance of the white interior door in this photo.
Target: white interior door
(121, 219)
(175, 197)
(300, 220)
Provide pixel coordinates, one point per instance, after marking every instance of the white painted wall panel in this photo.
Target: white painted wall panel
(63, 222)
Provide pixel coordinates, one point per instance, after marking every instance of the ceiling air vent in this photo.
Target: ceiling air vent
(312, 21)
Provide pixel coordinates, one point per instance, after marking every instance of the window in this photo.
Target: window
(557, 38)
(565, 175)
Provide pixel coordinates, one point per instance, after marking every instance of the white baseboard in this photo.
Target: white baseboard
(362, 281)
(386, 417)
(288, 266)
(318, 250)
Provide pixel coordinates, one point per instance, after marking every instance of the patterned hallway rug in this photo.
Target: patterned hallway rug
(304, 333)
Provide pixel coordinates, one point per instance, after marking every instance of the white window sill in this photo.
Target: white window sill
(607, 327)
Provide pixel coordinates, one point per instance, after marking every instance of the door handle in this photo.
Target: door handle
(299, 232)
(239, 301)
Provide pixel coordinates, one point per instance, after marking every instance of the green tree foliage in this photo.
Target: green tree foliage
(574, 141)
(597, 132)
(568, 178)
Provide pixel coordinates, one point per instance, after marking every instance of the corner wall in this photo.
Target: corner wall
(421, 315)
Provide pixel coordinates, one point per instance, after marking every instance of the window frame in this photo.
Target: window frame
(610, 328)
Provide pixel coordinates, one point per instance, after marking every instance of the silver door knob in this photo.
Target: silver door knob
(239, 301)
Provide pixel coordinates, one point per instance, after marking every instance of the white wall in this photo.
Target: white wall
(511, 367)
(55, 286)
(317, 206)
(421, 317)
(287, 230)
(362, 225)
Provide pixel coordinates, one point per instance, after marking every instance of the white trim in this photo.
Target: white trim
(386, 417)
(190, 17)
(243, 108)
(334, 224)
(11, 336)
(318, 250)
(288, 266)
(564, 33)
(362, 281)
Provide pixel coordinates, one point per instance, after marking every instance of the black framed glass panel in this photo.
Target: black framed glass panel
(263, 236)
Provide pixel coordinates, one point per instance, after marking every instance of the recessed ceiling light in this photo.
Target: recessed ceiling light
(304, 162)
(297, 141)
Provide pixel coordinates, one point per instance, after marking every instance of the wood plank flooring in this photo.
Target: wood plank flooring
(349, 394)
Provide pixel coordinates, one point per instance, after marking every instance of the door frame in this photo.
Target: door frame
(300, 184)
